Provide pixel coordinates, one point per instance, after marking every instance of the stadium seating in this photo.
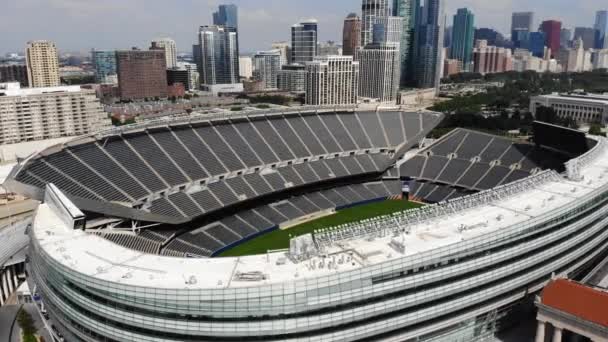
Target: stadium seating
(210, 239)
(475, 161)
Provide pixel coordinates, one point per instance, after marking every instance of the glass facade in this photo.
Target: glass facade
(104, 63)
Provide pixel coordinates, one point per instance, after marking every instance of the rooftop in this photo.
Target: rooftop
(14, 89)
(530, 200)
(578, 300)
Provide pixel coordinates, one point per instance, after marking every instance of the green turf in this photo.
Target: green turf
(279, 239)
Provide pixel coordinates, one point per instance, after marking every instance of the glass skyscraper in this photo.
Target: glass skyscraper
(536, 44)
(219, 56)
(226, 15)
(408, 10)
(304, 41)
(429, 44)
(601, 29)
(463, 33)
(104, 63)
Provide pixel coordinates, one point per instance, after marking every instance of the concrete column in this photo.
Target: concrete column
(5, 287)
(540, 331)
(557, 334)
(9, 279)
(1, 294)
(15, 276)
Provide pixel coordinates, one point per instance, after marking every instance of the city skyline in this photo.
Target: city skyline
(111, 25)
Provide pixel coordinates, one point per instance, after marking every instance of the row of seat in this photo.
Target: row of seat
(233, 190)
(131, 167)
(207, 241)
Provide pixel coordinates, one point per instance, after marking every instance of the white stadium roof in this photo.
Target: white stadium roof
(535, 197)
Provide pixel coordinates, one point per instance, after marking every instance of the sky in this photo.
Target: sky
(79, 25)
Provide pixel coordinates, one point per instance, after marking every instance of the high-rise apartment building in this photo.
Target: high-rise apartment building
(219, 55)
(429, 45)
(601, 28)
(226, 15)
(168, 45)
(292, 78)
(552, 30)
(42, 64)
(141, 74)
(245, 67)
(304, 40)
(104, 63)
(463, 33)
(351, 35)
(284, 49)
(48, 112)
(489, 59)
(379, 72)
(332, 80)
(371, 9)
(521, 26)
(266, 67)
(14, 73)
(408, 10)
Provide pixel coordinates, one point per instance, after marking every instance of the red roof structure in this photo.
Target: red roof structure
(573, 298)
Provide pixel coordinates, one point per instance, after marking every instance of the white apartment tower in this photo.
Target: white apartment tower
(285, 50)
(245, 67)
(46, 113)
(332, 80)
(42, 64)
(168, 45)
(266, 67)
(380, 71)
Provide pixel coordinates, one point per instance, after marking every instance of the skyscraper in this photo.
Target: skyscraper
(168, 45)
(332, 80)
(304, 41)
(408, 10)
(379, 67)
(266, 67)
(42, 64)
(521, 26)
(565, 37)
(351, 35)
(462, 37)
(141, 74)
(552, 30)
(587, 35)
(104, 63)
(601, 28)
(219, 55)
(14, 73)
(371, 9)
(536, 44)
(226, 15)
(429, 44)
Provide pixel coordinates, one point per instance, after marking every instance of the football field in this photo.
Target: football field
(279, 239)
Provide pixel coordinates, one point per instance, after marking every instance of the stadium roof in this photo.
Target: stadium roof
(581, 301)
(531, 203)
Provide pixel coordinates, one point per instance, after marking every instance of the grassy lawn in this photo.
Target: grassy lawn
(279, 239)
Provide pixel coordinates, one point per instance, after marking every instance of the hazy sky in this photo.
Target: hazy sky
(79, 25)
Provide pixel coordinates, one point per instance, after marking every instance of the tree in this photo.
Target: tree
(596, 129)
(26, 323)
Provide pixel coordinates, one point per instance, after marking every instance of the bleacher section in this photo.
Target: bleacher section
(183, 171)
(468, 161)
(218, 236)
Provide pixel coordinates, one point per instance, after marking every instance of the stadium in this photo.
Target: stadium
(127, 243)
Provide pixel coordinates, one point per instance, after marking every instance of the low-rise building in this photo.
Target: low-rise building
(45, 113)
(582, 107)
